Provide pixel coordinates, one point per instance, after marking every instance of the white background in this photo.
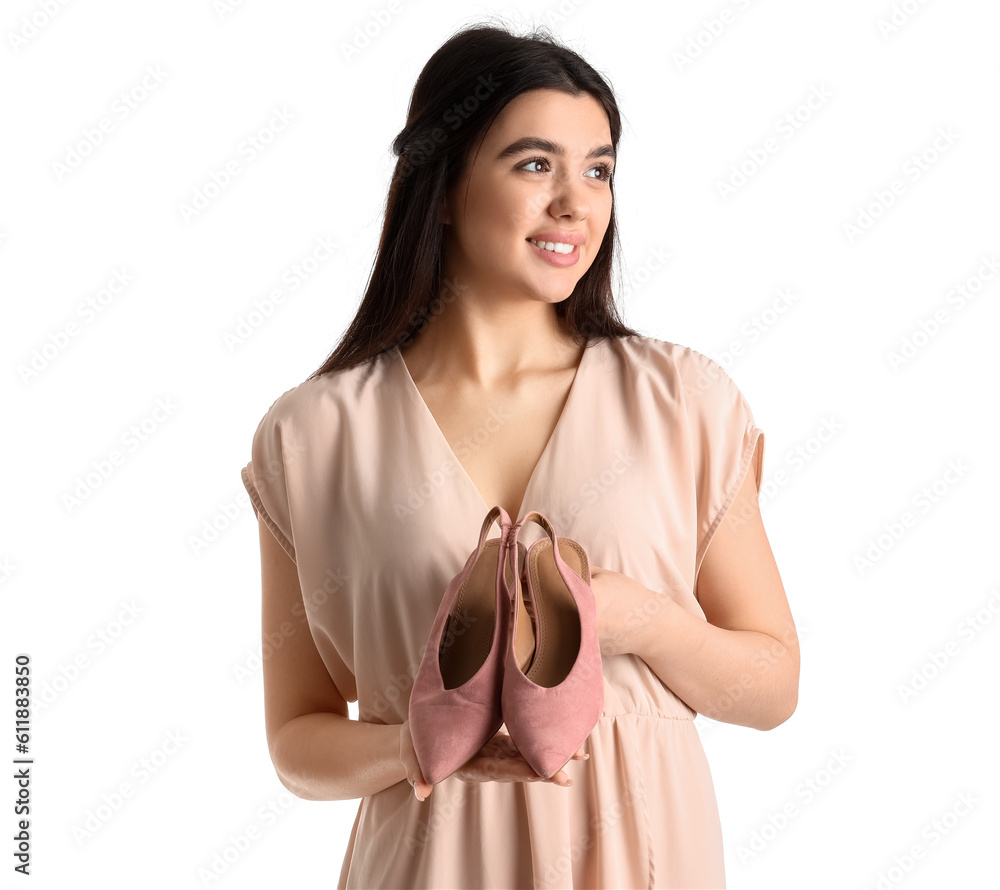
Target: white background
(71, 572)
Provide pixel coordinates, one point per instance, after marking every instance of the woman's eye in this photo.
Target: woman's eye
(533, 161)
(604, 169)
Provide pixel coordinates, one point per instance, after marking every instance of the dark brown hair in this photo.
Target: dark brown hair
(460, 92)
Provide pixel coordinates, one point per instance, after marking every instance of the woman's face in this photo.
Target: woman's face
(516, 189)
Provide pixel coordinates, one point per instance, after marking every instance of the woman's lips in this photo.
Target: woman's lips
(556, 259)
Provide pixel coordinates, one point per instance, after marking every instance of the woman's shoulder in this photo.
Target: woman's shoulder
(678, 377)
(327, 395)
(655, 355)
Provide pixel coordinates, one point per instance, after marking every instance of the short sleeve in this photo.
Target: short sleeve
(725, 443)
(265, 480)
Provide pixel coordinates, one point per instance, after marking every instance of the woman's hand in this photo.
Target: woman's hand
(409, 758)
(500, 761)
(497, 761)
(623, 607)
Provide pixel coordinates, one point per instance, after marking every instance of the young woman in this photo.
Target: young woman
(487, 365)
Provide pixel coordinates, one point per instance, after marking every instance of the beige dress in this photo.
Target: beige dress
(359, 485)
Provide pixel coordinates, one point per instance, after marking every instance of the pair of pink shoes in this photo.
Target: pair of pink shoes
(482, 668)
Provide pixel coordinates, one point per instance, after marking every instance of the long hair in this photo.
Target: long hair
(460, 92)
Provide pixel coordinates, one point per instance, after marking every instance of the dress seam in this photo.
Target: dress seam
(650, 864)
(743, 467)
(250, 483)
(647, 716)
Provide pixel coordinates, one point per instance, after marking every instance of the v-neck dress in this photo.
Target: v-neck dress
(356, 481)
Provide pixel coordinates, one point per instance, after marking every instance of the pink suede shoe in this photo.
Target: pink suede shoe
(552, 707)
(454, 706)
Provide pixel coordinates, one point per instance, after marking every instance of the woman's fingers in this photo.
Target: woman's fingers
(497, 761)
(500, 761)
(421, 789)
(487, 768)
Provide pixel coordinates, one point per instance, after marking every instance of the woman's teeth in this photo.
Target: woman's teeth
(549, 245)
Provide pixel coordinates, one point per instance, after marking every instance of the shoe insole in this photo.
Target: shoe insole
(468, 631)
(557, 618)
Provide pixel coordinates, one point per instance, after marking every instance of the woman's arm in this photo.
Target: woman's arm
(318, 752)
(741, 665)
(327, 756)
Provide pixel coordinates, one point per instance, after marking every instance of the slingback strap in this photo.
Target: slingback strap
(543, 521)
(495, 513)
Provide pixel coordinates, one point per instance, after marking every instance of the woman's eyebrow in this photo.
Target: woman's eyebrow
(533, 143)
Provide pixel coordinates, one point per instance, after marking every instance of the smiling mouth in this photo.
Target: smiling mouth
(552, 246)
